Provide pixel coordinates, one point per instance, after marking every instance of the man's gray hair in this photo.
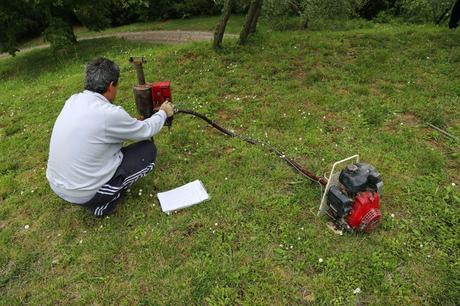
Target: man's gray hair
(99, 73)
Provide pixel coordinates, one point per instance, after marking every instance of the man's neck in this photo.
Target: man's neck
(107, 96)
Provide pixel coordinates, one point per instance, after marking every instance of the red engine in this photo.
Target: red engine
(161, 92)
(365, 212)
(354, 204)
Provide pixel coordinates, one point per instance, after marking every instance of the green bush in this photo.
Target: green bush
(420, 11)
(309, 11)
(59, 34)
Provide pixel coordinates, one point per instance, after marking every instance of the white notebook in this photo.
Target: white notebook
(183, 196)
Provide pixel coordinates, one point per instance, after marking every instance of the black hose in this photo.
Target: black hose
(293, 164)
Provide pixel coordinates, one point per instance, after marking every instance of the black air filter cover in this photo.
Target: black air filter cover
(360, 177)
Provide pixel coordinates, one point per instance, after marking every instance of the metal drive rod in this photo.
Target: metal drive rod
(137, 62)
(293, 164)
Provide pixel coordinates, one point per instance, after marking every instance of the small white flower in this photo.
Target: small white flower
(226, 178)
(215, 224)
(357, 290)
(81, 241)
(301, 228)
(392, 215)
(298, 238)
(291, 246)
(421, 245)
(453, 184)
(320, 260)
(151, 195)
(281, 245)
(26, 226)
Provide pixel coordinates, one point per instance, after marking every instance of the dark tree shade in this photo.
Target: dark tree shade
(372, 8)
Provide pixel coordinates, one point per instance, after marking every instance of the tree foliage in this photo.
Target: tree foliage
(18, 19)
(22, 19)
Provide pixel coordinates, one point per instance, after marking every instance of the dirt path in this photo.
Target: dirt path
(165, 37)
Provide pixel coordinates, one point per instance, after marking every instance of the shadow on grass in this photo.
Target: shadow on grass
(32, 64)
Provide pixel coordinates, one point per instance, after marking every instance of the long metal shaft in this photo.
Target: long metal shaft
(137, 62)
(310, 175)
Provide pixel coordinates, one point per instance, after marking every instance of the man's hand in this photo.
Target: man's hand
(168, 107)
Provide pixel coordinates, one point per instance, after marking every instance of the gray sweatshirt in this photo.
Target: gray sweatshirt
(86, 141)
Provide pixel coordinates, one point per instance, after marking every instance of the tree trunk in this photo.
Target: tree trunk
(455, 16)
(256, 18)
(220, 28)
(250, 19)
(304, 22)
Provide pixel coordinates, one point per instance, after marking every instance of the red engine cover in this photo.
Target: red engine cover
(161, 91)
(365, 213)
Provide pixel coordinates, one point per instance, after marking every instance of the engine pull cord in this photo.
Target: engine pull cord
(308, 174)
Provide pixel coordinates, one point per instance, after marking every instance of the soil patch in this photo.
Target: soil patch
(165, 37)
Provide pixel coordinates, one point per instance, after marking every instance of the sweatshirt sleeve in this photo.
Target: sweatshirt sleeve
(120, 126)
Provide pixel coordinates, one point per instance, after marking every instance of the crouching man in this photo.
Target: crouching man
(87, 164)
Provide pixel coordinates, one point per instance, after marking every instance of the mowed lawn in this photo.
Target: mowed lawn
(317, 96)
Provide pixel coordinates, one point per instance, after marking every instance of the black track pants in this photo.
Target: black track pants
(138, 160)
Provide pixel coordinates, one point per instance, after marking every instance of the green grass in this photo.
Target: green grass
(320, 96)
